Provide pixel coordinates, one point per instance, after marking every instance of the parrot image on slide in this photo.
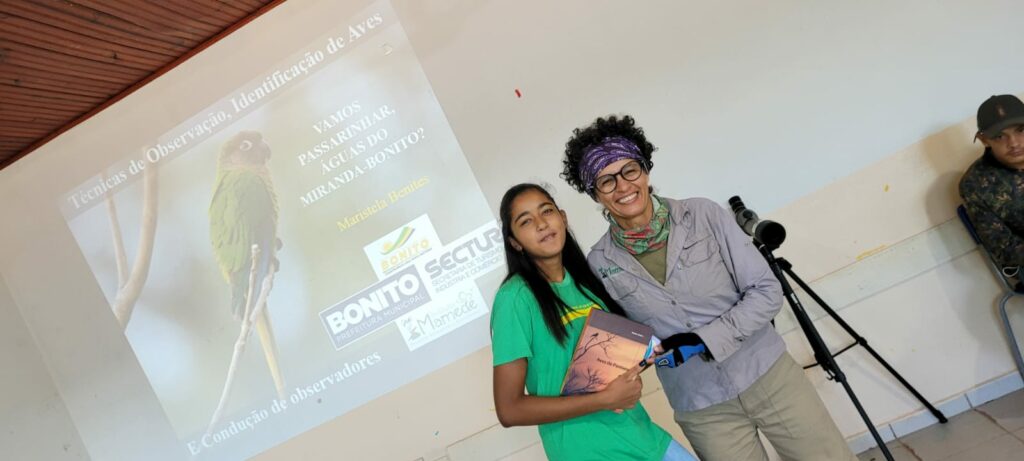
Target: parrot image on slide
(243, 231)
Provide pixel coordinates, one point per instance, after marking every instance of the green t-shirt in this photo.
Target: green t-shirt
(518, 331)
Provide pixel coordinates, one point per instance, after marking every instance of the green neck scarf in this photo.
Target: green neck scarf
(650, 237)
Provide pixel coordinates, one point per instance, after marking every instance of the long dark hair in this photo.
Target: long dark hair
(519, 263)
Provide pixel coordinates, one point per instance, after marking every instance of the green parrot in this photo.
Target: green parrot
(243, 213)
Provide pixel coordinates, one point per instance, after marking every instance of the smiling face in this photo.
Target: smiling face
(629, 202)
(1008, 146)
(538, 226)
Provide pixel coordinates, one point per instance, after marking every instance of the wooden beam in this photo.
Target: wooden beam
(31, 110)
(46, 60)
(8, 129)
(75, 23)
(216, 38)
(40, 126)
(103, 19)
(149, 23)
(23, 117)
(50, 95)
(227, 6)
(155, 11)
(14, 97)
(200, 10)
(8, 76)
(14, 141)
(61, 41)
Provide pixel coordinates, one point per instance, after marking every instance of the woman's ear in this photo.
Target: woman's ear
(515, 244)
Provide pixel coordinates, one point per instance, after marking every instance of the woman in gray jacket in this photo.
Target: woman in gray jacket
(686, 269)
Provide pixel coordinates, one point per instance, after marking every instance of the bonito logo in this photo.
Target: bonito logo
(400, 247)
(374, 307)
(403, 237)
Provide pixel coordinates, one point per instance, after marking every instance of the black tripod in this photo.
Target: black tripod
(773, 233)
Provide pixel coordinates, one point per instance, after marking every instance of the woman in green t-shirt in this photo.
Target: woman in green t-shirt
(537, 317)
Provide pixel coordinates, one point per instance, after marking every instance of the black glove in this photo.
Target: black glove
(684, 346)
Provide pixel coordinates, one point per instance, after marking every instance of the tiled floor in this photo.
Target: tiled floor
(991, 432)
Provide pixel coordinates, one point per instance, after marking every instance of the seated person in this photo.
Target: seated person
(993, 186)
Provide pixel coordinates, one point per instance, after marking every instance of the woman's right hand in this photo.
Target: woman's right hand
(514, 407)
(623, 392)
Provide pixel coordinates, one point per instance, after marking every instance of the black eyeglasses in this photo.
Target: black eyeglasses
(630, 172)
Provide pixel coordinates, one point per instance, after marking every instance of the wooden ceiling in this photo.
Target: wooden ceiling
(63, 61)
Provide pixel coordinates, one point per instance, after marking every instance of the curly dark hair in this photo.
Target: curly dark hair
(603, 127)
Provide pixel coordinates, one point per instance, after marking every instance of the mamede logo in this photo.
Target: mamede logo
(401, 246)
(453, 309)
(468, 257)
(374, 307)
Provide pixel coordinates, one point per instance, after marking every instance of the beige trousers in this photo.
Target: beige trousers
(784, 406)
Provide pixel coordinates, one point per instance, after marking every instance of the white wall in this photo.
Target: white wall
(902, 271)
(847, 122)
(35, 423)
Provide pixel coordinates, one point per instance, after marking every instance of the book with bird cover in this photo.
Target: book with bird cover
(609, 344)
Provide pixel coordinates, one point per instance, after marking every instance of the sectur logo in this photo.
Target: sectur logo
(403, 237)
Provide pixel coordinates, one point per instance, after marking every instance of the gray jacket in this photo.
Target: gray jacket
(717, 285)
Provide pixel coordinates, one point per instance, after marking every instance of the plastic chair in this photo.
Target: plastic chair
(1010, 289)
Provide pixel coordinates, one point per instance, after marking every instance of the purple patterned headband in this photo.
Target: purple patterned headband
(599, 156)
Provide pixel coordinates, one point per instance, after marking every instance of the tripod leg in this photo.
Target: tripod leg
(860, 340)
(841, 378)
(821, 351)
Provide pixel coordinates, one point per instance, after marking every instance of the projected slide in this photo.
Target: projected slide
(309, 242)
